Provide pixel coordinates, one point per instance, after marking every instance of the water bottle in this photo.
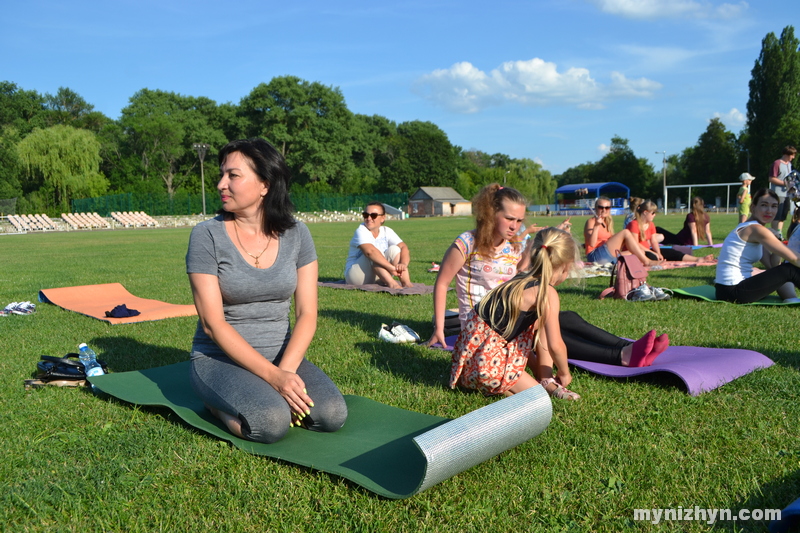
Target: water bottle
(89, 360)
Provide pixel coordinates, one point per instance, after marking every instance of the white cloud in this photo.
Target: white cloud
(685, 9)
(464, 88)
(732, 119)
(603, 148)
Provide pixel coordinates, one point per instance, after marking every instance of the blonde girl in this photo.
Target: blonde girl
(644, 229)
(519, 324)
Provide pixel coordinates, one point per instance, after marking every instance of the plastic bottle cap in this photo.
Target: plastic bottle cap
(81, 346)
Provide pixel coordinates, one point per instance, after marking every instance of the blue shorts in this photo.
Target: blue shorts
(601, 255)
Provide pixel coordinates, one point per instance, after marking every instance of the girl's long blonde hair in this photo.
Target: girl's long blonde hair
(645, 207)
(486, 204)
(608, 220)
(549, 250)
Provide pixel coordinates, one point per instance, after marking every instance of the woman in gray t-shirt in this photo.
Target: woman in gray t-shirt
(244, 266)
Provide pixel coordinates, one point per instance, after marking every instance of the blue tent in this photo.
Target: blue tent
(611, 189)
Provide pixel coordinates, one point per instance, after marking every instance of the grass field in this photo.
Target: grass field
(75, 462)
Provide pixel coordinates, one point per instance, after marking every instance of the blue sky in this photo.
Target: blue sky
(550, 80)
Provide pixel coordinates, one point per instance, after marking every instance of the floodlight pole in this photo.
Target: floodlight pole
(664, 172)
(202, 148)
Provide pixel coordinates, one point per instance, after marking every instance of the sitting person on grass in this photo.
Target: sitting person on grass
(602, 244)
(749, 243)
(520, 324)
(697, 223)
(247, 364)
(644, 229)
(377, 254)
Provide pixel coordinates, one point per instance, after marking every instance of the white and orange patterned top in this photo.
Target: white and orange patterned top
(480, 274)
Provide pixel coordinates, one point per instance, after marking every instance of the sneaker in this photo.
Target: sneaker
(642, 293)
(24, 308)
(662, 294)
(397, 334)
(434, 268)
(406, 332)
(792, 301)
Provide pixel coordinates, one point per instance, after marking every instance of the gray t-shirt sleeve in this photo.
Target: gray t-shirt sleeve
(201, 257)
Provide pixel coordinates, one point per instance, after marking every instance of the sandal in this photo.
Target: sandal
(560, 392)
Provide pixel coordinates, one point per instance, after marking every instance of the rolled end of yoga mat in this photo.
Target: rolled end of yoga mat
(480, 435)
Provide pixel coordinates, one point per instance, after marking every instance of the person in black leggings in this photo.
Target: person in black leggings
(750, 242)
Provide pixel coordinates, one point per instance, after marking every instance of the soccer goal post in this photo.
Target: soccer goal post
(699, 185)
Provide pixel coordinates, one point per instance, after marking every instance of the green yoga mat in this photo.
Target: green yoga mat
(390, 451)
(709, 294)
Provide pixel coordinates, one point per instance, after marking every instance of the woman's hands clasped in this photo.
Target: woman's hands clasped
(293, 389)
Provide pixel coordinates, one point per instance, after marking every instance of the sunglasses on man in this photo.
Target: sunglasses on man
(371, 215)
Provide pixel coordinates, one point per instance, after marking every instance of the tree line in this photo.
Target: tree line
(55, 148)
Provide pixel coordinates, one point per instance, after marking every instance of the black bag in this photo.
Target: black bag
(67, 368)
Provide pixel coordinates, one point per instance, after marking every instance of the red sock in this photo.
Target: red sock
(661, 343)
(641, 348)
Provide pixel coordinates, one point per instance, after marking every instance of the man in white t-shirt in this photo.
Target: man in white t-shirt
(377, 254)
(777, 182)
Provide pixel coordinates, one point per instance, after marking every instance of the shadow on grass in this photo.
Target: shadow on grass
(775, 494)
(370, 323)
(661, 380)
(123, 354)
(406, 361)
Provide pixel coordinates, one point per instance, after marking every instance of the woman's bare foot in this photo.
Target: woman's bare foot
(233, 424)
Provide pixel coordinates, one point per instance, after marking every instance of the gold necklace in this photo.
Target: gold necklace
(236, 230)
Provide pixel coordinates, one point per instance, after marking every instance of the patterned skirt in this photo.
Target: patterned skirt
(485, 361)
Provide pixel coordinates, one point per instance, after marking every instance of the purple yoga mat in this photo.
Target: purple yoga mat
(700, 369)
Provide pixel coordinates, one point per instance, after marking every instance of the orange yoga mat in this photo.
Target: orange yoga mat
(95, 300)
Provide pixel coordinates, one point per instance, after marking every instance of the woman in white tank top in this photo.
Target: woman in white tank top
(750, 242)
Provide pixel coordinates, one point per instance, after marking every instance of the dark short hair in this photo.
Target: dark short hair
(270, 167)
(377, 204)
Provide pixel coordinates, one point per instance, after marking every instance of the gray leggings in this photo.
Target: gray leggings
(264, 413)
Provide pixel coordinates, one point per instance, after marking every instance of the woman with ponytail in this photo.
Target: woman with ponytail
(644, 229)
(520, 324)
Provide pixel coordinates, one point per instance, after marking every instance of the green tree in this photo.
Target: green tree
(371, 139)
(578, 174)
(309, 123)
(715, 159)
(534, 182)
(421, 155)
(69, 108)
(63, 163)
(159, 131)
(773, 110)
(20, 110)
